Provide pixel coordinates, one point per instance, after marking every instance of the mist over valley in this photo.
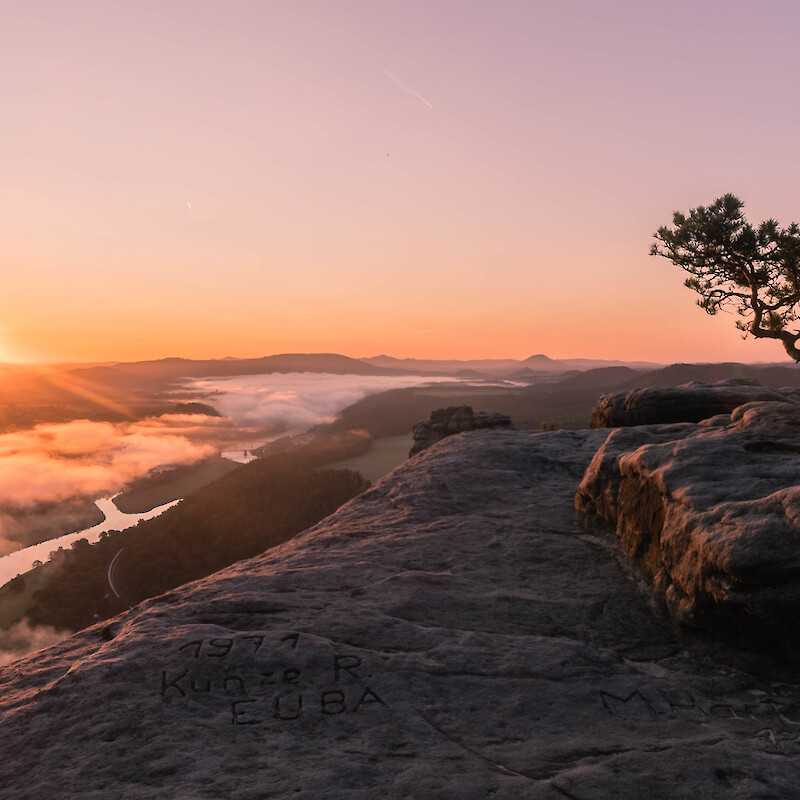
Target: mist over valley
(52, 473)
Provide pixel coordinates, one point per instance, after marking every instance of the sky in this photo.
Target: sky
(421, 178)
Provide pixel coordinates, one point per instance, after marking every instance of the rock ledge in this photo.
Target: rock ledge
(450, 421)
(711, 512)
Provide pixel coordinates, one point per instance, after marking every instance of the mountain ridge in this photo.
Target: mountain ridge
(501, 367)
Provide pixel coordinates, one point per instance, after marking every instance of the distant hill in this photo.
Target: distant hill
(543, 363)
(144, 373)
(779, 376)
(566, 401)
(502, 367)
(677, 374)
(602, 378)
(473, 374)
(495, 367)
(532, 375)
(593, 363)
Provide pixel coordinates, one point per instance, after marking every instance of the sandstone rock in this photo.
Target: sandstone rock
(450, 634)
(455, 419)
(690, 402)
(711, 512)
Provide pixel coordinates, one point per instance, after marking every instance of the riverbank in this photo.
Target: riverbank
(163, 487)
(22, 561)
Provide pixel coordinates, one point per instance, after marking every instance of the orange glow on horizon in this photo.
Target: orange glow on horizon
(423, 183)
(81, 388)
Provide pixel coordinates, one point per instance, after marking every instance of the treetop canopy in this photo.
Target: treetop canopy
(754, 272)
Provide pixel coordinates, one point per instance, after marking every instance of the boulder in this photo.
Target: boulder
(711, 513)
(455, 419)
(690, 402)
(451, 633)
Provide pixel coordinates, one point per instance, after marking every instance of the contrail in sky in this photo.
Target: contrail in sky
(406, 88)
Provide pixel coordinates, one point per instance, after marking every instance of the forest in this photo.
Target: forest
(254, 507)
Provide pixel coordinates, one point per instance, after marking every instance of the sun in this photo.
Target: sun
(11, 355)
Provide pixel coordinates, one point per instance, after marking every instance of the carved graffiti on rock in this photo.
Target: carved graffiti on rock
(263, 681)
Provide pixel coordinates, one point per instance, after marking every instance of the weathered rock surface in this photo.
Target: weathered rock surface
(451, 633)
(691, 402)
(455, 419)
(712, 514)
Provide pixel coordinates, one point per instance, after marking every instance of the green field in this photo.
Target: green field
(384, 455)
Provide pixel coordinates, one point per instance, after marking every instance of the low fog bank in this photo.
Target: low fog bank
(296, 401)
(51, 474)
(54, 462)
(21, 639)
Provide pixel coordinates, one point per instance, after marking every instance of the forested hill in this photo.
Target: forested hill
(254, 507)
(145, 374)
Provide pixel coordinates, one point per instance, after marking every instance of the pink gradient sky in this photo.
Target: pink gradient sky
(437, 178)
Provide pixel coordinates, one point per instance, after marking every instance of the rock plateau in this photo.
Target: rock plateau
(450, 633)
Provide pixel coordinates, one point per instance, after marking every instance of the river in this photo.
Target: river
(22, 560)
(297, 400)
